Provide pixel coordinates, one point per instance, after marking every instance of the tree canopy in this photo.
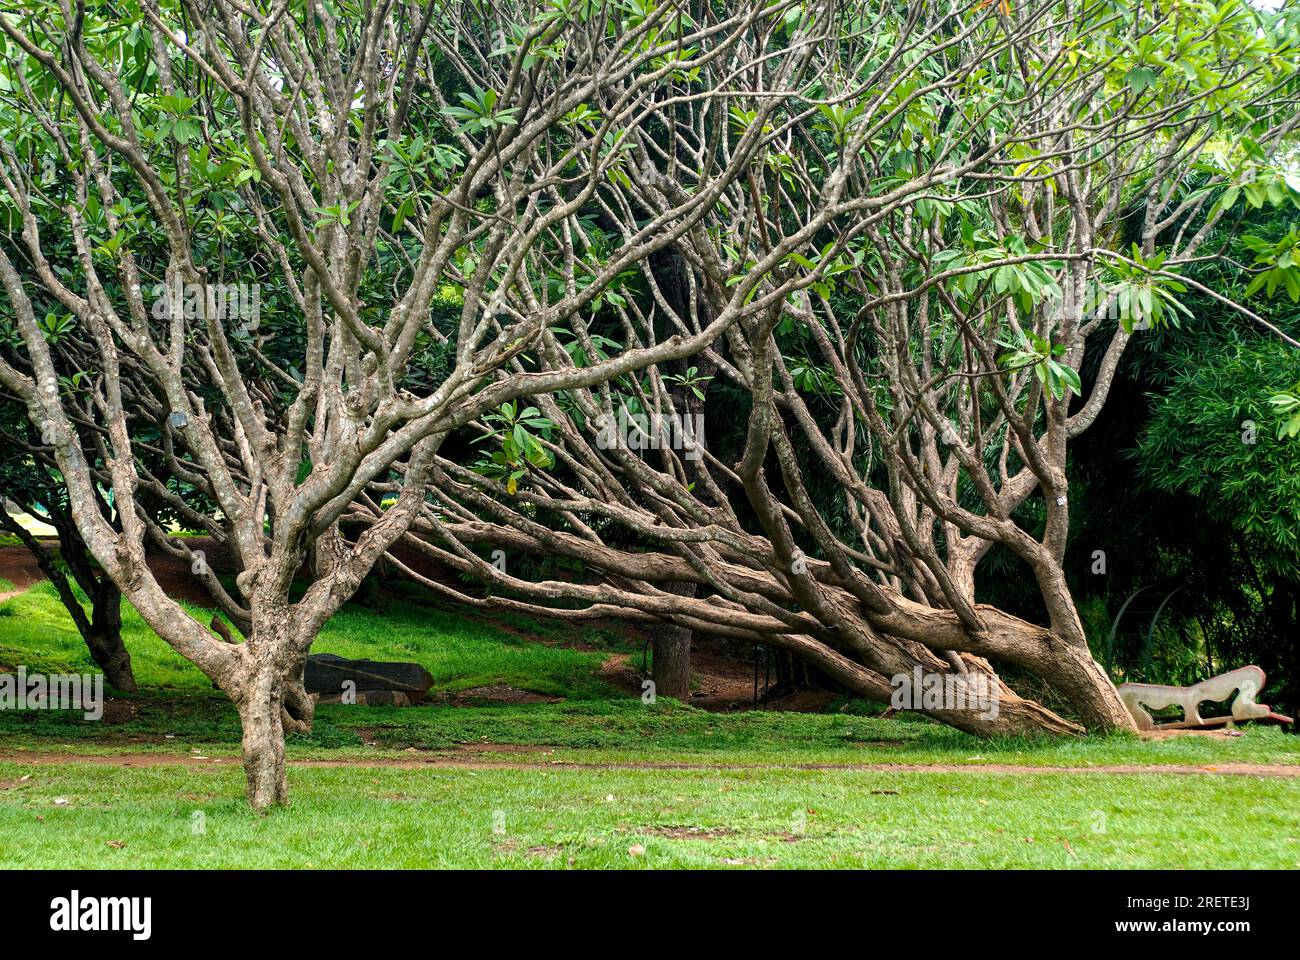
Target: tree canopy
(772, 316)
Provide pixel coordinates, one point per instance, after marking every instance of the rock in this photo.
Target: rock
(369, 698)
(326, 674)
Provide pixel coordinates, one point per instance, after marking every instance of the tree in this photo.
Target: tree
(30, 480)
(893, 226)
(1020, 185)
(374, 154)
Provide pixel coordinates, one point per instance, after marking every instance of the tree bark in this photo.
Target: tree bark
(263, 740)
(105, 637)
(269, 695)
(110, 654)
(672, 652)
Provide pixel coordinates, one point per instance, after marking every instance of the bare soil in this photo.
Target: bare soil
(18, 566)
(440, 760)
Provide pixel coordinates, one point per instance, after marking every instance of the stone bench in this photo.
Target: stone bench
(1246, 682)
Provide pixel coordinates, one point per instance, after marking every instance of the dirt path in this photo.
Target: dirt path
(441, 761)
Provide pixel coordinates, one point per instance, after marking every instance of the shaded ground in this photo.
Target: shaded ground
(720, 681)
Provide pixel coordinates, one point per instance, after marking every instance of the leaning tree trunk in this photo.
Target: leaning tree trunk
(1083, 681)
(105, 637)
(876, 661)
(672, 651)
(102, 630)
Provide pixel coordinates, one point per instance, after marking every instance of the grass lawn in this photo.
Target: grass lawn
(359, 817)
(773, 814)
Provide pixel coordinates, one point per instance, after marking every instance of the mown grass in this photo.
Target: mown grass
(759, 806)
(178, 708)
(628, 732)
(87, 816)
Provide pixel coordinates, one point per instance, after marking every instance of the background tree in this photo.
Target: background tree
(30, 481)
(1018, 187)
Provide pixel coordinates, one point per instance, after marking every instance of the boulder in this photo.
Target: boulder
(369, 698)
(327, 674)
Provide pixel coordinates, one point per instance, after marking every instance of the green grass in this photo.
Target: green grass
(743, 813)
(625, 731)
(356, 817)
(459, 652)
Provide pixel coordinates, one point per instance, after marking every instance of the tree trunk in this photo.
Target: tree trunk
(110, 654)
(271, 701)
(105, 637)
(672, 652)
(1083, 681)
(884, 664)
(260, 714)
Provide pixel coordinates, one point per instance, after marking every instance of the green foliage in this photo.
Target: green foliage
(1208, 439)
(1282, 260)
(1141, 297)
(1287, 407)
(691, 380)
(1031, 350)
(479, 112)
(520, 448)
